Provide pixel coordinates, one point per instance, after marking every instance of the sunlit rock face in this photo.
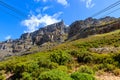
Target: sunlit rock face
(56, 33)
(90, 26)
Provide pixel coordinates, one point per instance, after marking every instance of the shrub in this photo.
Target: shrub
(82, 76)
(95, 68)
(27, 66)
(103, 58)
(74, 52)
(106, 67)
(88, 59)
(85, 57)
(86, 69)
(32, 66)
(53, 65)
(116, 72)
(43, 62)
(2, 75)
(35, 74)
(116, 45)
(109, 67)
(100, 72)
(62, 68)
(116, 57)
(108, 60)
(26, 76)
(54, 75)
(60, 57)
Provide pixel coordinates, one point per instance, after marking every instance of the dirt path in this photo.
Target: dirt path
(107, 77)
(9, 75)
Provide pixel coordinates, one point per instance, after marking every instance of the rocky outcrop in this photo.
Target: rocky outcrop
(51, 33)
(104, 50)
(55, 33)
(90, 26)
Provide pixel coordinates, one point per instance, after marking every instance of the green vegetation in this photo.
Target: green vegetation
(69, 61)
(60, 57)
(54, 75)
(2, 75)
(82, 76)
(85, 69)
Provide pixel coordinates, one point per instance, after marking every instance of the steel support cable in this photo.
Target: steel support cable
(107, 8)
(12, 8)
(2, 10)
(113, 11)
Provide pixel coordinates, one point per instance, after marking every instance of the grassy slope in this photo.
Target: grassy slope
(78, 50)
(108, 39)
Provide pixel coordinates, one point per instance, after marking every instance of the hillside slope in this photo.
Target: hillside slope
(49, 36)
(87, 49)
(94, 55)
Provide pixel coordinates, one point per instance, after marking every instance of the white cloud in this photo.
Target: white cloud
(46, 8)
(42, 9)
(56, 15)
(34, 22)
(8, 37)
(63, 2)
(89, 3)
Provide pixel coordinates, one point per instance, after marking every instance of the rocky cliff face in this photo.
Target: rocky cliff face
(51, 33)
(56, 33)
(90, 26)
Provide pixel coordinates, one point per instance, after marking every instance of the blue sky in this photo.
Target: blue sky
(40, 13)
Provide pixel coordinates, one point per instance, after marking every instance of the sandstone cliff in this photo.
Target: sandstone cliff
(55, 33)
(90, 26)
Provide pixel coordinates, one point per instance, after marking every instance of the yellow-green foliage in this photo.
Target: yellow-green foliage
(2, 75)
(85, 69)
(61, 57)
(54, 74)
(82, 76)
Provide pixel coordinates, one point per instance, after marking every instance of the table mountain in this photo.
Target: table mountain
(55, 33)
